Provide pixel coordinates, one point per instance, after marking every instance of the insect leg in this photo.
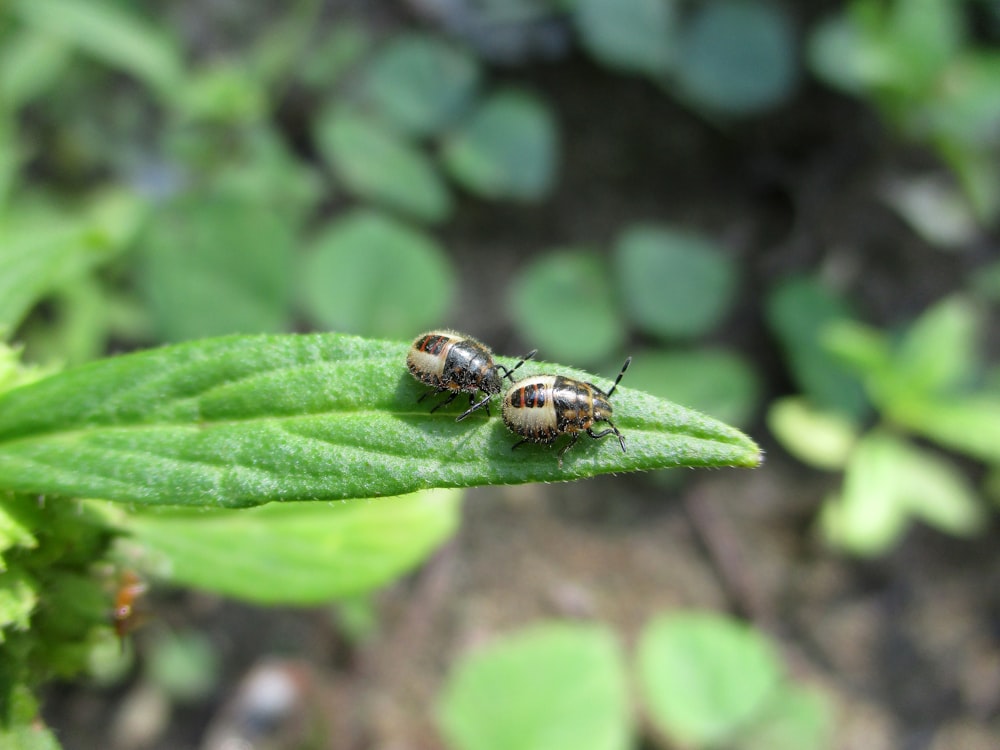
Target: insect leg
(452, 397)
(485, 402)
(570, 444)
(609, 431)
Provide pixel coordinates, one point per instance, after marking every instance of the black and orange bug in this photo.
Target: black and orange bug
(451, 361)
(540, 408)
(123, 616)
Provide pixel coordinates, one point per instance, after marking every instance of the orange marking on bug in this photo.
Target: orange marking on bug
(124, 616)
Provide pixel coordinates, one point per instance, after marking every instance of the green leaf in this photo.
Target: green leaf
(738, 57)
(24, 730)
(631, 35)
(795, 719)
(716, 382)
(244, 420)
(969, 424)
(506, 149)
(184, 665)
(334, 55)
(225, 92)
(112, 35)
(703, 676)
(823, 439)
(840, 54)
(967, 109)
(420, 83)
(36, 257)
(887, 482)
(551, 687)
(216, 262)
(564, 304)
(376, 164)
(29, 64)
(346, 287)
(673, 284)
(799, 310)
(295, 553)
(18, 599)
(938, 352)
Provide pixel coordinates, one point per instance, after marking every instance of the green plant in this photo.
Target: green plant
(919, 64)
(927, 383)
(182, 437)
(704, 681)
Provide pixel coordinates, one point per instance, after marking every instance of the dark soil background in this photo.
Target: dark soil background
(908, 646)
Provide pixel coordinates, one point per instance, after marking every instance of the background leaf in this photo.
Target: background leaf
(379, 165)
(216, 262)
(240, 421)
(564, 304)
(112, 35)
(714, 381)
(888, 482)
(703, 677)
(636, 35)
(420, 83)
(673, 284)
(552, 686)
(821, 438)
(368, 273)
(295, 553)
(938, 352)
(737, 56)
(507, 148)
(799, 310)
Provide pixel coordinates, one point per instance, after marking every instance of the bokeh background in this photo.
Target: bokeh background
(786, 213)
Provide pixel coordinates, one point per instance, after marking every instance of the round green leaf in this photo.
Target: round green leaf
(703, 677)
(673, 284)
(563, 303)
(716, 382)
(506, 149)
(420, 83)
(549, 688)
(633, 35)
(797, 718)
(738, 57)
(376, 164)
(368, 273)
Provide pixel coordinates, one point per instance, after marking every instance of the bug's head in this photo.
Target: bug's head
(602, 407)
(492, 382)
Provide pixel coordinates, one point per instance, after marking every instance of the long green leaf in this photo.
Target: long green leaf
(244, 420)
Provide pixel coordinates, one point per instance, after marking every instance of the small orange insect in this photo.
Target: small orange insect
(124, 614)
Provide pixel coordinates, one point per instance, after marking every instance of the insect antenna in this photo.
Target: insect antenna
(628, 361)
(507, 373)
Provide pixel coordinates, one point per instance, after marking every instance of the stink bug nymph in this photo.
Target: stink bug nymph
(540, 408)
(451, 361)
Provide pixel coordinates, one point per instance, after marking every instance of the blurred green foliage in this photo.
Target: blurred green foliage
(704, 680)
(920, 64)
(153, 193)
(928, 382)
